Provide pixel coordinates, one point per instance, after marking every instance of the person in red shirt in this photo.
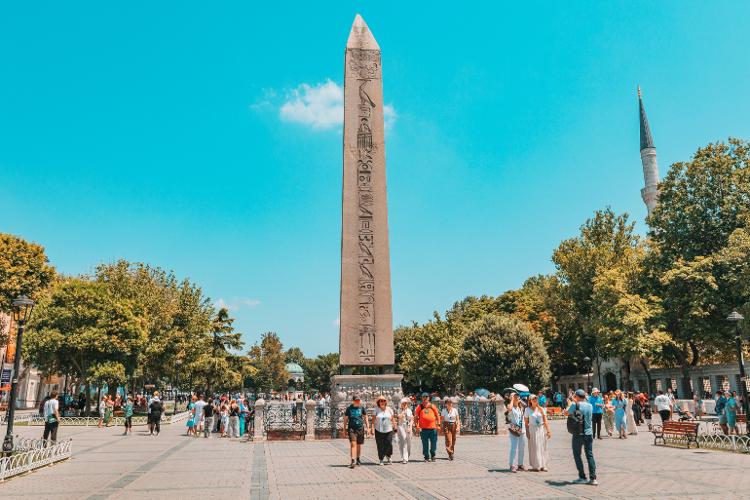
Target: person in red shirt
(427, 420)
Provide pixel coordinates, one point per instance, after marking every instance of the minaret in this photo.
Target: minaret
(650, 192)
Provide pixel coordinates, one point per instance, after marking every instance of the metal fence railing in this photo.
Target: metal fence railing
(32, 454)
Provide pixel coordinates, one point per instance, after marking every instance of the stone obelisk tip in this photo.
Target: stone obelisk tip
(361, 37)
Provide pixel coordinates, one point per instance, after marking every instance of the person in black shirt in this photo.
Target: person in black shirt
(154, 415)
(208, 412)
(356, 424)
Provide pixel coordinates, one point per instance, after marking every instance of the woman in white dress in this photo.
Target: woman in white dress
(630, 425)
(405, 419)
(538, 432)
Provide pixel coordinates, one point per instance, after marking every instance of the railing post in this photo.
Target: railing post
(310, 405)
(260, 417)
(499, 412)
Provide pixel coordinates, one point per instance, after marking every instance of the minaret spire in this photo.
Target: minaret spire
(650, 192)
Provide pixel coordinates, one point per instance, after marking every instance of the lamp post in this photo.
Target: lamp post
(22, 307)
(587, 363)
(735, 318)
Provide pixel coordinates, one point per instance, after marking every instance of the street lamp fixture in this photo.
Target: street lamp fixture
(22, 307)
(587, 364)
(736, 318)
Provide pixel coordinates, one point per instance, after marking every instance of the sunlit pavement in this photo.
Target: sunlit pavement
(108, 465)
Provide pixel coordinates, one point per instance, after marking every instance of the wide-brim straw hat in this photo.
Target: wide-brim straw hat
(380, 398)
(405, 400)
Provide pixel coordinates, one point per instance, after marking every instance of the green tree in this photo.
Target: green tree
(702, 203)
(427, 354)
(319, 370)
(217, 367)
(295, 355)
(83, 329)
(267, 359)
(24, 270)
(500, 350)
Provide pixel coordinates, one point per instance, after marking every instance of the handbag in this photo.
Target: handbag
(514, 428)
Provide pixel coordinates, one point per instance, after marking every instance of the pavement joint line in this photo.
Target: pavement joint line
(129, 477)
(259, 473)
(397, 480)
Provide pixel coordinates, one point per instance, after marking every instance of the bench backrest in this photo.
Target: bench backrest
(680, 427)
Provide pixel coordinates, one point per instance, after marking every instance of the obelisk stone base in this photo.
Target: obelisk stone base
(369, 387)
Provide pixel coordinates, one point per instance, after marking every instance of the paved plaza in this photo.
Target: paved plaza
(108, 465)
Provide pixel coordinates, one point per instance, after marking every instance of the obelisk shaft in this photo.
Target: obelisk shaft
(366, 330)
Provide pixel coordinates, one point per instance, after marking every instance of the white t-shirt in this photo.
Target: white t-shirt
(50, 407)
(405, 418)
(199, 410)
(449, 417)
(662, 402)
(383, 419)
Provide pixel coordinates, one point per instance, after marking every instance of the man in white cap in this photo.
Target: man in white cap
(356, 424)
(597, 412)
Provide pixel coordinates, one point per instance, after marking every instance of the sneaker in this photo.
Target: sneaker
(359, 462)
(594, 482)
(580, 480)
(426, 459)
(380, 462)
(432, 458)
(351, 465)
(388, 461)
(404, 462)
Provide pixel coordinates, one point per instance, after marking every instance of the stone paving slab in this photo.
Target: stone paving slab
(107, 465)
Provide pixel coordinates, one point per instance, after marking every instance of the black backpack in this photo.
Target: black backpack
(575, 422)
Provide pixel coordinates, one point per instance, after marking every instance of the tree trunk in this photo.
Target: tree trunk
(649, 382)
(625, 374)
(87, 386)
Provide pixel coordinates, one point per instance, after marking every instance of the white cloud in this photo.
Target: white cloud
(236, 303)
(319, 106)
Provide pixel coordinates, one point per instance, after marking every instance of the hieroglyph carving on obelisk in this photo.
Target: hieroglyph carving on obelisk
(366, 331)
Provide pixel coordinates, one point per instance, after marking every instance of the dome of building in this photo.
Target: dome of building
(294, 369)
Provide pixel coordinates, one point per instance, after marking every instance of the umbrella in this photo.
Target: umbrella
(482, 393)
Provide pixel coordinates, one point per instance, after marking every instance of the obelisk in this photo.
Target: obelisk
(366, 330)
(366, 325)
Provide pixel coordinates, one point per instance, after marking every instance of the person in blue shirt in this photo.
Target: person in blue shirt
(542, 399)
(585, 440)
(597, 404)
(558, 399)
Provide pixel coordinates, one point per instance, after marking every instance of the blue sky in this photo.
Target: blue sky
(205, 137)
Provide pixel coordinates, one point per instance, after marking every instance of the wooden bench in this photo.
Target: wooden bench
(688, 430)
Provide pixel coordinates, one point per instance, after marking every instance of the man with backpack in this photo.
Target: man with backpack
(579, 425)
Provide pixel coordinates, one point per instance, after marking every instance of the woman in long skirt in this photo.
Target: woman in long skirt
(537, 431)
(619, 403)
(630, 414)
(405, 418)
(382, 427)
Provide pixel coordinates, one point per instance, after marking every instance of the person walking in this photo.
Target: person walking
(451, 426)
(630, 415)
(355, 423)
(224, 419)
(198, 415)
(102, 410)
(51, 414)
(427, 419)
(190, 424)
(579, 416)
(382, 426)
(516, 433)
(405, 421)
(537, 432)
(156, 408)
(127, 410)
(647, 412)
(663, 406)
(597, 403)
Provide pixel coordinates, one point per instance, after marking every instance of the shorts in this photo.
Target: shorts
(357, 435)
